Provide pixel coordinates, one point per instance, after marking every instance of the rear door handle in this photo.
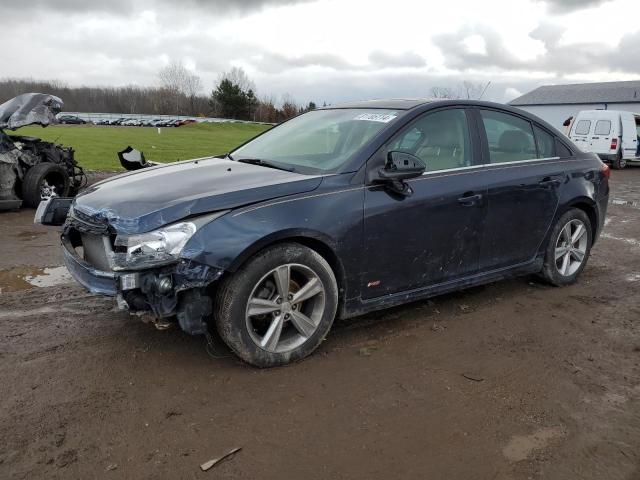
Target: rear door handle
(470, 200)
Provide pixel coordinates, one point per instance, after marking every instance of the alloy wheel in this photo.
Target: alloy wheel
(285, 308)
(571, 247)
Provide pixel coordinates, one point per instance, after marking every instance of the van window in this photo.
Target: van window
(510, 138)
(583, 127)
(603, 127)
(546, 143)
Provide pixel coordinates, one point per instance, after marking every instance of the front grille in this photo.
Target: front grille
(95, 250)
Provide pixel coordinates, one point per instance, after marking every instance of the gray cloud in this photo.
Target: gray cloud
(457, 55)
(271, 62)
(403, 59)
(558, 59)
(24, 8)
(565, 6)
(71, 41)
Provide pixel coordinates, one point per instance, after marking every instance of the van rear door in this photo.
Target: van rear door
(629, 135)
(605, 129)
(581, 129)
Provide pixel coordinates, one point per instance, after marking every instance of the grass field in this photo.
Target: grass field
(97, 146)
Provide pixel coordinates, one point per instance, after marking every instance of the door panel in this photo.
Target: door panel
(629, 135)
(521, 203)
(522, 192)
(434, 235)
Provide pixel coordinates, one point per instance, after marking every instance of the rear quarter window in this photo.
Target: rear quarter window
(561, 150)
(603, 127)
(583, 127)
(546, 143)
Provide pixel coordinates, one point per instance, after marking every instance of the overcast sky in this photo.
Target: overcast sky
(326, 50)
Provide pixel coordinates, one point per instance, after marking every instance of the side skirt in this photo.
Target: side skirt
(355, 307)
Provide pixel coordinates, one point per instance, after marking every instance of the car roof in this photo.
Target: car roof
(392, 103)
(410, 103)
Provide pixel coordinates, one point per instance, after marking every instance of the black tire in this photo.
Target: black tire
(551, 270)
(233, 294)
(32, 185)
(618, 163)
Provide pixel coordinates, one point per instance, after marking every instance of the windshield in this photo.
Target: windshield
(320, 141)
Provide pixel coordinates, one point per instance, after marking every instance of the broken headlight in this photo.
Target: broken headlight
(160, 247)
(151, 249)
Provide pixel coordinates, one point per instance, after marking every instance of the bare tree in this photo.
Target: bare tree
(444, 92)
(239, 77)
(192, 87)
(472, 90)
(289, 108)
(466, 89)
(179, 82)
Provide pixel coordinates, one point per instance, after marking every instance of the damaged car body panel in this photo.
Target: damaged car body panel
(29, 109)
(429, 197)
(31, 169)
(133, 159)
(153, 197)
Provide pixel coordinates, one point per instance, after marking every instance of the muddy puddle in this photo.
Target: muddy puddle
(26, 277)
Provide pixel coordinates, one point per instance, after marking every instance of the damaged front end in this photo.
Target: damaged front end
(145, 272)
(32, 169)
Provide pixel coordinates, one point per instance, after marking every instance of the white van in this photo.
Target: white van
(612, 134)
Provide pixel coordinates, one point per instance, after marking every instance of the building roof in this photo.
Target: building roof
(606, 92)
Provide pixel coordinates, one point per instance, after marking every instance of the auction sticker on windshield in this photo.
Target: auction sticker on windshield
(376, 117)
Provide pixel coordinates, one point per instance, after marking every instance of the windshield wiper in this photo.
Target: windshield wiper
(265, 163)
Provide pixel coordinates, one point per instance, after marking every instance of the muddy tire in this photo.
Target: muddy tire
(42, 179)
(618, 163)
(278, 307)
(568, 248)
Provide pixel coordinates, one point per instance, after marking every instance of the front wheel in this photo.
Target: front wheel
(278, 307)
(42, 181)
(568, 249)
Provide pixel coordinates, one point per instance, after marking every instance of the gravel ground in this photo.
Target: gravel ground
(513, 380)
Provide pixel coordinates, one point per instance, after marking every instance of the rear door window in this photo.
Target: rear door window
(583, 127)
(510, 138)
(603, 127)
(546, 143)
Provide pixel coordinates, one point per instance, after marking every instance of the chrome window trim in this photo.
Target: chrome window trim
(485, 166)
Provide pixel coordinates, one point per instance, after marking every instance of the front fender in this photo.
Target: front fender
(331, 215)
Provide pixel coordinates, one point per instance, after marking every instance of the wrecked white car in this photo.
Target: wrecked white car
(32, 170)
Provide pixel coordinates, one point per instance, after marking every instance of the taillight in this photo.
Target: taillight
(606, 171)
(614, 144)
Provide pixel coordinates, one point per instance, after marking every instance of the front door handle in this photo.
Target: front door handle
(470, 200)
(549, 182)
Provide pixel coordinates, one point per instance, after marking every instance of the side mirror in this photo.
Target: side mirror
(401, 166)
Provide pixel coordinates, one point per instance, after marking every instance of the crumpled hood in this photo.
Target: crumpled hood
(29, 109)
(150, 198)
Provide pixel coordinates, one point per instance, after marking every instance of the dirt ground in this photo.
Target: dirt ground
(514, 380)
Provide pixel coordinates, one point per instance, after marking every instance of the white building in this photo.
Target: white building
(556, 103)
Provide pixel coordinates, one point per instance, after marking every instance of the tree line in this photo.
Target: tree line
(179, 92)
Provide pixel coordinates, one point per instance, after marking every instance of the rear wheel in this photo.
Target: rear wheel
(568, 249)
(42, 181)
(619, 163)
(278, 307)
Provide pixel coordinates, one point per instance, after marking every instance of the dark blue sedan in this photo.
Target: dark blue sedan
(335, 213)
